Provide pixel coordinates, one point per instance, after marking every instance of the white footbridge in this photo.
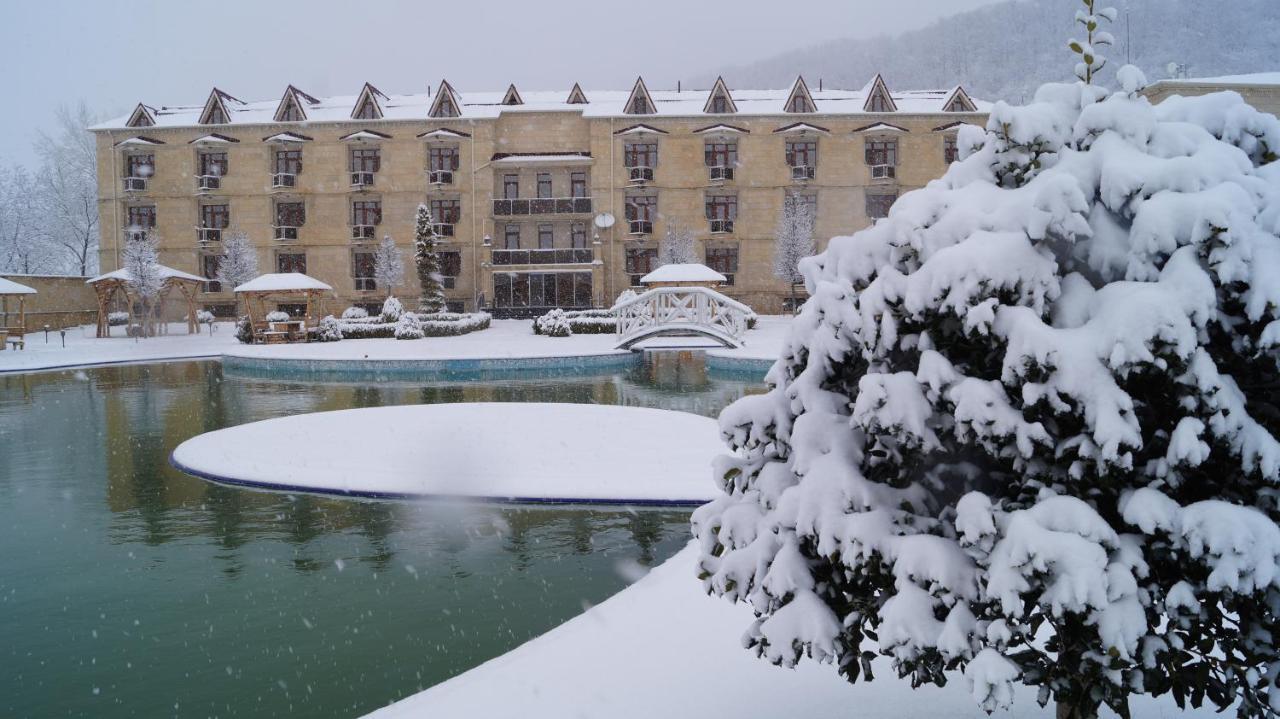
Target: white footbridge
(667, 311)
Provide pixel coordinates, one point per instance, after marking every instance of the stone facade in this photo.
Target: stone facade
(1261, 90)
(60, 301)
(547, 170)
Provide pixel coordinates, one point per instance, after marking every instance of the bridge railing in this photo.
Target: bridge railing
(681, 307)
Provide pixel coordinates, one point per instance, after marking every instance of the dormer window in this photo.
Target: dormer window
(367, 111)
(292, 113)
(720, 105)
(878, 97)
(881, 155)
(639, 103)
(446, 103)
(878, 103)
(720, 102)
(446, 108)
(800, 101)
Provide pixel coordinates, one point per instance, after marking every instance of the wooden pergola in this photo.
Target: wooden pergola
(106, 286)
(9, 288)
(282, 287)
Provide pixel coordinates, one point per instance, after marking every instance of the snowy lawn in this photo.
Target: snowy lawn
(662, 648)
(83, 348)
(550, 452)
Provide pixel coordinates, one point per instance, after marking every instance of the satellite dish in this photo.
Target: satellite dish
(1172, 69)
(604, 220)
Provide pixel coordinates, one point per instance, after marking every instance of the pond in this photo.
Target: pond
(128, 589)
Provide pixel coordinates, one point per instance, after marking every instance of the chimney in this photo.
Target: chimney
(819, 84)
(679, 86)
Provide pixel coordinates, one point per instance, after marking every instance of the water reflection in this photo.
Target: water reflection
(131, 589)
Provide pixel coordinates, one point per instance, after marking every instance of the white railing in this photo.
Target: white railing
(440, 177)
(720, 173)
(284, 232)
(883, 172)
(362, 179)
(208, 182)
(802, 172)
(641, 173)
(135, 184)
(681, 310)
(283, 179)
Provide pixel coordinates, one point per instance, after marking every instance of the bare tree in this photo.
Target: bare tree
(22, 248)
(67, 187)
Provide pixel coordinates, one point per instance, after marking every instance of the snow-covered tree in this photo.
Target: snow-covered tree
(67, 187)
(676, 246)
(427, 259)
(392, 309)
(141, 259)
(1026, 427)
(23, 248)
(793, 240)
(238, 262)
(388, 265)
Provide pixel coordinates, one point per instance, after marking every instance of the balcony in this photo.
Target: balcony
(283, 180)
(135, 184)
(542, 206)
(284, 232)
(366, 284)
(640, 175)
(883, 172)
(443, 229)
(206, 236)
(440, 177)
(803, 172)
(549, 256)
(362, 180)
(205, 183)
(640, 227)
(720, 173)
(363, 232)
(720, 227)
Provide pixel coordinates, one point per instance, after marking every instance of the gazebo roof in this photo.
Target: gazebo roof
(9, 287)
(166, 273)
(690, 272)
(283, 282)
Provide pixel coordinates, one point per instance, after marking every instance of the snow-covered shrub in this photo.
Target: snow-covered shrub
(437, 324)
(583, 322)
(1026, 426)
(408, 327)
(116, 319)
(752, 319)
(277, 316)
(392, 310)
(552, 324)
(244, 330)
(204, 317)
(328, 330)
(354, 313)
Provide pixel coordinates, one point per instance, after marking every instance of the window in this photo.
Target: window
(546, 237)
(801, 103)
(442, 159)
(510, 187)
(641, 211)
(140, 217)
(511, 237)
(288, 162)
(362, 271)
(519, 290)
(879, 103)
(640, 154)
(365, 159)
(882, 151)
(721, 154)
(949, 151)
(365, 216)
(292, 113)
(368, 111)
(289, 217)
(640, 261)
(213, 164)
(809, 201)
(722, 210)
(544, 185)
(209, 270)
(291, 262)
(723, 260)
(578, 184)
(578, 236)
(719, 104)
(450, 268)
(217, 217)
(802, 153)
(139, 165)
(446, 212)
(878, 205)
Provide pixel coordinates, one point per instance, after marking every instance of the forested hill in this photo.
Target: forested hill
(1005, 51)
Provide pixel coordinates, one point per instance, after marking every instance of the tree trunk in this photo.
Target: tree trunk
(1068, 711)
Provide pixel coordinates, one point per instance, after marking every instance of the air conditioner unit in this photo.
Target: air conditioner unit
(641, 227)
(721, 226)
(721, 172)
(283, 179)
(642, 174)
(135, 184)
(883, 172)
(208, 182)
(208, 235)
(366, 284)
(443, 229)
(362, 179)
(362, 232)
(802, 172)
(441, 177)
(285, 233)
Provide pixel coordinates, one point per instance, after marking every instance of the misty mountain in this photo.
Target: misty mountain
(1005, 51)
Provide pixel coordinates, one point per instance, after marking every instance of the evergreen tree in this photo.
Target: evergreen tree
(676, 246)
(793, 241)
(238, 262)
(1026, 426)
(141, 259)
(388, 266)
(427, 260)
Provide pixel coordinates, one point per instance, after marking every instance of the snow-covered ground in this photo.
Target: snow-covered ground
(662, 648)
(504, 339)
(549, 452)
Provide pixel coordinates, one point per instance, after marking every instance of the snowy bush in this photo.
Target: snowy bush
(277, 316)
(584, 322)
(392, 310)
(553, 324)
(244, 330)
(408, 327)
(354, 313)
(1026, 426)
(116, 319)
(436, 324)
(328, 330)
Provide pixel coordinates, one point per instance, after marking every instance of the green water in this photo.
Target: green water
(128, 589)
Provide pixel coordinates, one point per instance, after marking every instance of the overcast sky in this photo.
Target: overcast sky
(114, 54)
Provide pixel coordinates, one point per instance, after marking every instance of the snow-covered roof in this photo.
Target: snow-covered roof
(282, 282)
(165, 273)
(287, 137)
(556, 159)
(692, 272)
(602, 103)
(1257, 78)
(9, 287)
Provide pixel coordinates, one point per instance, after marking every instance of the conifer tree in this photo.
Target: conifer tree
(427, 260)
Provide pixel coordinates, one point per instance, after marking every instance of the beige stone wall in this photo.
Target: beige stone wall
(681, 182)
(1264, 97)
(60, 301)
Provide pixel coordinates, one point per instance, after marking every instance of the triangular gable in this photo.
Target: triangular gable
(720, 91)
(513, 96)
(640, 130)
(142, 116)
(950, 126)
(291, 107)
(138, 140)
(443, 133)
(576, 96)
(881, 127)
(639, 102)
(721, 129)
(215, 108)
(800, 101)
(878, 97)
(212, 138)
(801, 127)
(365, 135)
(446, 103)
(959, 101)
(367, 106)
(286, 137)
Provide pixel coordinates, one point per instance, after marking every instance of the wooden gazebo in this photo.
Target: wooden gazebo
(9, 330)
(282, 287)
(106, 286)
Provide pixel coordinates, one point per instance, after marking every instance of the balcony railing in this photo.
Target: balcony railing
(803, 172)
(883, 172)
(363, 232)
(283, 179)
(284, 232)
(641, 174)
(443, 229)
(208, 182)
(542, 206)
(550, 256)
(719, 173)
(208, 235)
(366, 284)
(362, 179)
(721, 226)
(440, 177)
(640, 227)
(135, 184)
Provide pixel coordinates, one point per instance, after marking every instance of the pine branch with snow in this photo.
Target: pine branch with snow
(1026, 427)
(427, 260)
(388, 265)
(676, 246)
